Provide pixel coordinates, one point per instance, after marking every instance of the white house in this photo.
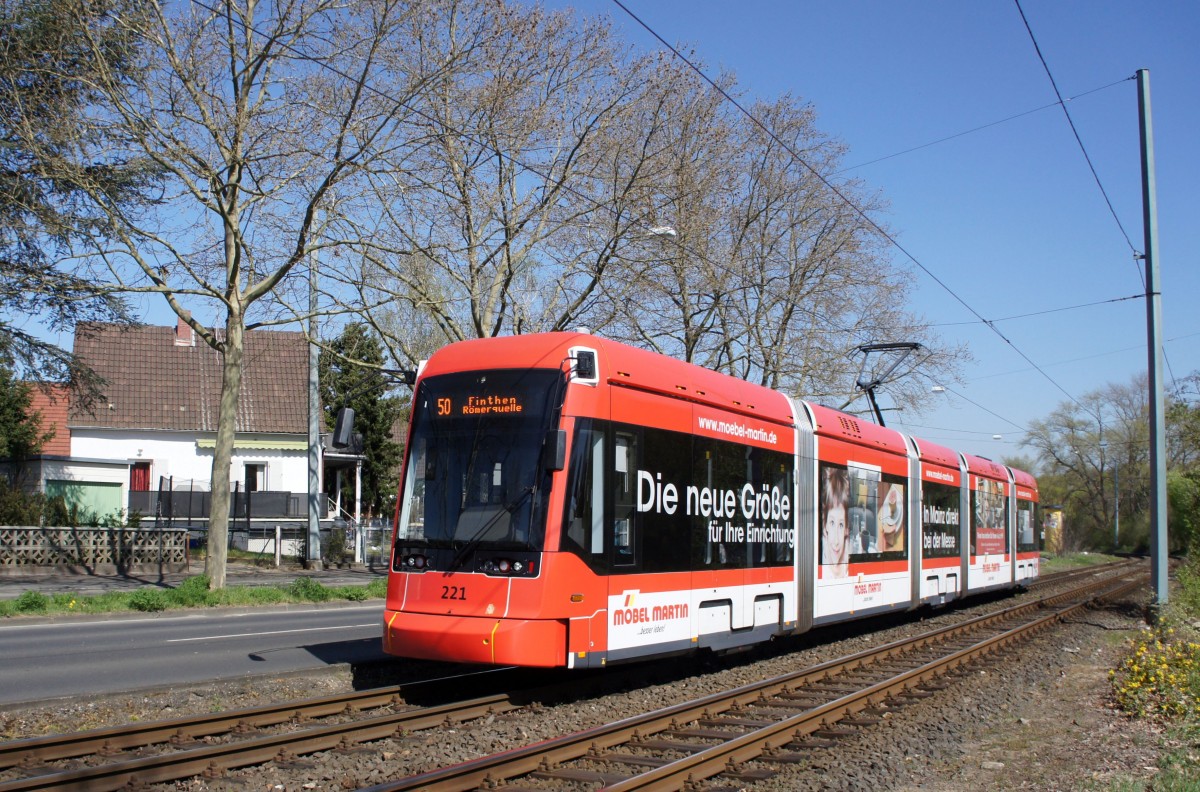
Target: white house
(157, 421)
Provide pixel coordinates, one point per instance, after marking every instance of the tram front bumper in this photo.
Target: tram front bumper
(469, 639)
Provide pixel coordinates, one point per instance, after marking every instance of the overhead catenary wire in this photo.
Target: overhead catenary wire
(791, 152)
(1075, 131)
(1047, 311)
(980, 128)
(1018, 371)
(647, 228)
(853, 206)
(1117, 351)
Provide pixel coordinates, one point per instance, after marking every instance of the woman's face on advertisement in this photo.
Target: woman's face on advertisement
(835, 533)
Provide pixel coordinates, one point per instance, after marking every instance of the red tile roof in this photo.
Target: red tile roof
(155, 383)
(52, 406)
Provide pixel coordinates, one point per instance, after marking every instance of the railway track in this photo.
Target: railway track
(776, 720)
(769, 723)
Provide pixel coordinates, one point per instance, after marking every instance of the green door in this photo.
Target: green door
(101, 499)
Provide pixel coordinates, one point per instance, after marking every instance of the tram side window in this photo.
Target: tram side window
(864, 533)
(584, 534)
(663, 526)
(720, 469)
(877, 518)
(727, 479)
(1027, 536)
(989, 518)
(624, 533)
(941, 523)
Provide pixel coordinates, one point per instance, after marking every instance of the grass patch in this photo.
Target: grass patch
(1178, 768)
(193, 592)
(308, 590)
(1061, 563)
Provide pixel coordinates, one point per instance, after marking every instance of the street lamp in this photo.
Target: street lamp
(1116, 495)
(1116, 506)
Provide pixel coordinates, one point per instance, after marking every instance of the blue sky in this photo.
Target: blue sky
(1009, 217)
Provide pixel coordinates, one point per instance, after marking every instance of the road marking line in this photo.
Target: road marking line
(271, 632)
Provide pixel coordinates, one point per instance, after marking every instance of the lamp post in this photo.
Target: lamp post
(1103, 448)
(313, 554)
(1116, 506)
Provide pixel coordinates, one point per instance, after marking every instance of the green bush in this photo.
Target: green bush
(31, 602)
(57, 512)
(377, 588)
(303, 588)
(1188, 575)
(193, 592)
(149, 600)
(18, 507)
(352, 593)
(335, 546)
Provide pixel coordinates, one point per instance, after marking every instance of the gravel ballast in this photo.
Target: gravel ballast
(1040, 717)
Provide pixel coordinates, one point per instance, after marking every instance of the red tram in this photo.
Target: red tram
(571, 501)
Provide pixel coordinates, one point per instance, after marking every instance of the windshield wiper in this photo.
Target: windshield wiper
(477, 537)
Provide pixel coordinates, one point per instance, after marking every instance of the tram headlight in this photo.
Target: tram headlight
(507, 565)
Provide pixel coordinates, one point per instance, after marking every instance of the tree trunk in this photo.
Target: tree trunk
(231, 386)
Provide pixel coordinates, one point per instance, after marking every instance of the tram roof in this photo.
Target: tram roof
(937, 454)
(833, 423)
(618, 364)
(982, 466)
(1024, 479)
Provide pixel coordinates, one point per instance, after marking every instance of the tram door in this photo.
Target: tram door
(624, 541)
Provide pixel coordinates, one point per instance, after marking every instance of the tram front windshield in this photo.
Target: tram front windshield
(475, 475)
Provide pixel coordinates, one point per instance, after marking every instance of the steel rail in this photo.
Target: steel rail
(545, 755)
(176, 730)
(117, 738)
(208, 758)
(754, 745)
(257, 750)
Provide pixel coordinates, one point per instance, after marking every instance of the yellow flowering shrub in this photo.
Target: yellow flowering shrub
(1160, 677)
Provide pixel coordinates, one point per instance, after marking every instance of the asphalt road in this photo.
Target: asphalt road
(51, 659)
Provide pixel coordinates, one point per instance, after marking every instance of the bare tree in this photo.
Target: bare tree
(565, 181)
(266, 118)
(675, 274)
(1088, 448)
(771, 273)
(505, 218)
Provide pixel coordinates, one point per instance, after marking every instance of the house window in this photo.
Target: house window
(256, 476)
(139, 477)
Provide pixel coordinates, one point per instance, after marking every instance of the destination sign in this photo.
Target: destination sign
(479, 405)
